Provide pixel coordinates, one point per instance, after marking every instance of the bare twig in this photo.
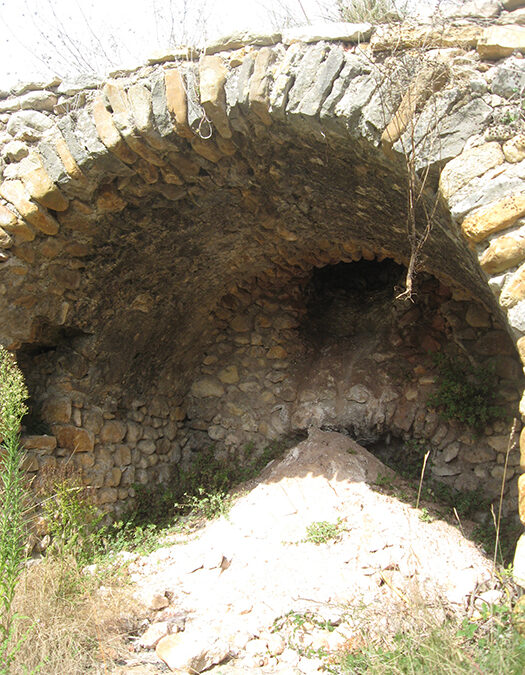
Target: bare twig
(497, 522)
(427, 453)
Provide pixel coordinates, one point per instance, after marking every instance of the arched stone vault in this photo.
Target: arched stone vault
(145, 218)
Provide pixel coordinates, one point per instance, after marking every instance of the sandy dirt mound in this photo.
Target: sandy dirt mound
(234, 581)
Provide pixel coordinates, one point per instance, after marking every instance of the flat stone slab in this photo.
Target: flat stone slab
(240, 39)
(342, 31)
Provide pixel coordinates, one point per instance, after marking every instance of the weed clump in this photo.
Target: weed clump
(13, 501)
(321, 531)
(466, 393)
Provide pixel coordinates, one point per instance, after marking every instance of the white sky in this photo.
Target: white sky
(39, 38)
(42, 37)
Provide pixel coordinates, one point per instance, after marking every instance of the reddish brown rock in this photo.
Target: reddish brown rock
(494, 217)
(74, 439)
(14, 192)
(39, 184)
(504, 252)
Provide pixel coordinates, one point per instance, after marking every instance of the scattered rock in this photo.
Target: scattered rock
(191, 651)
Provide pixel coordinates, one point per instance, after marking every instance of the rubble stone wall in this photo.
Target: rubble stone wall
(159, 231)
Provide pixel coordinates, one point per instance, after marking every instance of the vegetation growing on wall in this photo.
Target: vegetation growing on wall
(466, 393)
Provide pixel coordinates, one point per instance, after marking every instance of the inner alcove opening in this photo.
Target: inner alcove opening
(370, 370)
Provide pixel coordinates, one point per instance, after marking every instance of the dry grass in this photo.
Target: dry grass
(73, 623)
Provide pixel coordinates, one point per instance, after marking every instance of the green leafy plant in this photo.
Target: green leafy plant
(208, 504)
(13, 500)
(425, 516)
(465, 393)
(73, 521)
(202, 487)
(322, 531)
(488, 645)
(384, 480)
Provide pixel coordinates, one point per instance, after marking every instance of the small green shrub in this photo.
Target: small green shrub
(208, 504)
(466, 393)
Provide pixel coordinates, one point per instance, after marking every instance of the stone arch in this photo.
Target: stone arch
(145, 218)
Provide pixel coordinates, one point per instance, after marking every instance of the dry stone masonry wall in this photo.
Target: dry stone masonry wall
(164, 236)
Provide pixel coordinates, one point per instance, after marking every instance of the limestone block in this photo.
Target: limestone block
(494, 217)
(504, 252)
(108, 132)
(110, 201)
(321, 84)
(514, 149)
(468, 165)
(106, 495)
(229, 375)
(191, 651)
(25, 121)
(407, 37)
(516, 316)
(507, 78)
(521, 497)
(6, 241)
(427, 81)
(44, 444)
(39, 184)
(139, 97)
(14, 192)
(54, 165)
(56, 409)
(207, 387)
(176, 101)
(260, 83)
(20, 231)
(356, 97)
(113, 431)
(328, 31)
(147, 446)
(90, 154)
(212, 76)
(113, 477)
(38, 100)
(122, 455)
(74, 439)
(240, 39)
(514, 289)
(277, 352)
(7, 217)
(439, 134)
(134, 432)
(307, 70)
(128, 476)
(159, 105)
(478, 9)
(518, 572)
(15, 151)
(68, 160)
(511, 5)
(520, 345)
(497, 42)
(207, 149)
